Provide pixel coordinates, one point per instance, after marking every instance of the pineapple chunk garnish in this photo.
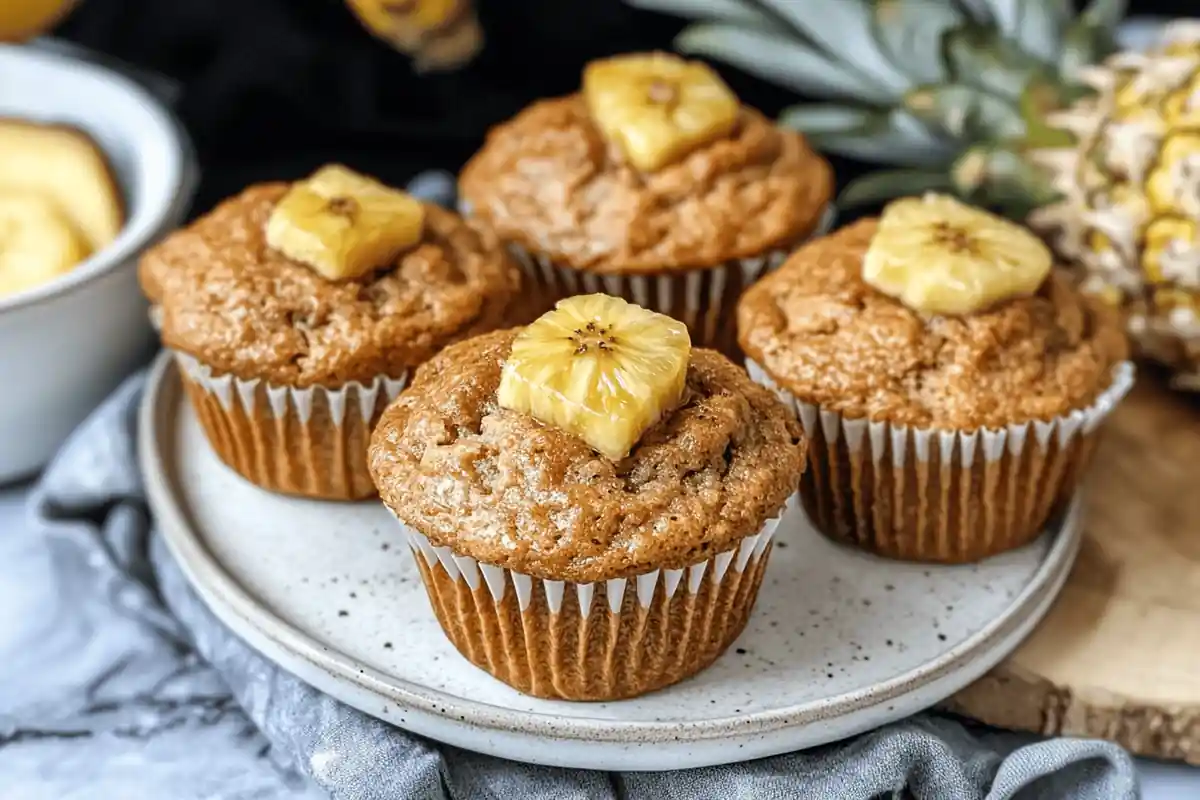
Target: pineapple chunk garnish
(600, 368)
(658, 107)
(343, 224)
(939, 256)
(37, 241)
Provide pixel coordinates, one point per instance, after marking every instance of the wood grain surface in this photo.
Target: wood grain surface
(1118, 656)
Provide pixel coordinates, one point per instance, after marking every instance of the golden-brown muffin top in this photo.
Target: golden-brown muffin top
(505, 489)
(830, 339)
(241, 307)
(549, 181)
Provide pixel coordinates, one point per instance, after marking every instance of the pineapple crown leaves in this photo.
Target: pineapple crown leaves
(922, 84)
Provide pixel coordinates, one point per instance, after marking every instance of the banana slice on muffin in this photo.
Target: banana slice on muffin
(343, 224)
(941, 256)
(658, 106)
(599, 367)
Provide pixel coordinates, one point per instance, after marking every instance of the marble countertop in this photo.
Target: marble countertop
(1159, 781)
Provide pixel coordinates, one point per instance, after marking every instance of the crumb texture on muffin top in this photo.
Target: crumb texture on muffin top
(830, 339)
(239, 306)
(505, 489)
(549, 181)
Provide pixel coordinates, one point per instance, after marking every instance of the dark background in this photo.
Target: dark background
(273, 88)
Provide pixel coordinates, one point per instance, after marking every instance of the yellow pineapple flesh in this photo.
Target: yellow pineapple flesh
(657, 107)
(600, 368)
(938, 255)
(1168, 240)
(344, 225)
(1171, 185)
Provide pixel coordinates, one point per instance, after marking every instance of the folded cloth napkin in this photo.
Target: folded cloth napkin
(116, 682)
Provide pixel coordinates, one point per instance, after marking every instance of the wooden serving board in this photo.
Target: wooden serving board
(1118, 656)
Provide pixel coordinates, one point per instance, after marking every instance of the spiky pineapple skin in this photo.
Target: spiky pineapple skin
(1129, 213)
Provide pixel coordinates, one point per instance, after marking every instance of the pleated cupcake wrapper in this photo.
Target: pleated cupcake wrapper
(497, 579)
(703, 299)
(996, 469)
(880, 437)
(284, 399)
(309, 441)
(508, 623)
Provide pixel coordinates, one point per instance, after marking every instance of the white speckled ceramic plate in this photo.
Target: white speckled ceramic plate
(839, 642)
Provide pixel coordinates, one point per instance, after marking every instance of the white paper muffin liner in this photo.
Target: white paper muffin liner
(594, 641)
(703, 299)
(942, 495)
(284, 400)
(309, 441)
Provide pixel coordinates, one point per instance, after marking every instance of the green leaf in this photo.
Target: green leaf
(842, 28)
(965, 112)
(1041, 25)
(1083, 44)
(883, 149)
(721, 10)
(1041, 97)
(879, 187)
(1001, 178)
(822, 118)
(980, 57)
(978, 10)
(885, 137)
(787, 62)
(1006, 15)
(1105, 14)
(911, 35)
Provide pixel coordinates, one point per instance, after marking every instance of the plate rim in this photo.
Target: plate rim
(163, 395)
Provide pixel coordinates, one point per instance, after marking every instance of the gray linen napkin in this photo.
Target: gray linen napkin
(116, 682)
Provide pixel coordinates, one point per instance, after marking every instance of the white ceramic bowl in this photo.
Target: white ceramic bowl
(66, 344)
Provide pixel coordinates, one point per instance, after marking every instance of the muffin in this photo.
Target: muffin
(653, 183)
(950, 381)
(590, 522)
(297, 312)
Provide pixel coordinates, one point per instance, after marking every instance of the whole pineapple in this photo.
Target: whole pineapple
(952, 92)
(1129, 212)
